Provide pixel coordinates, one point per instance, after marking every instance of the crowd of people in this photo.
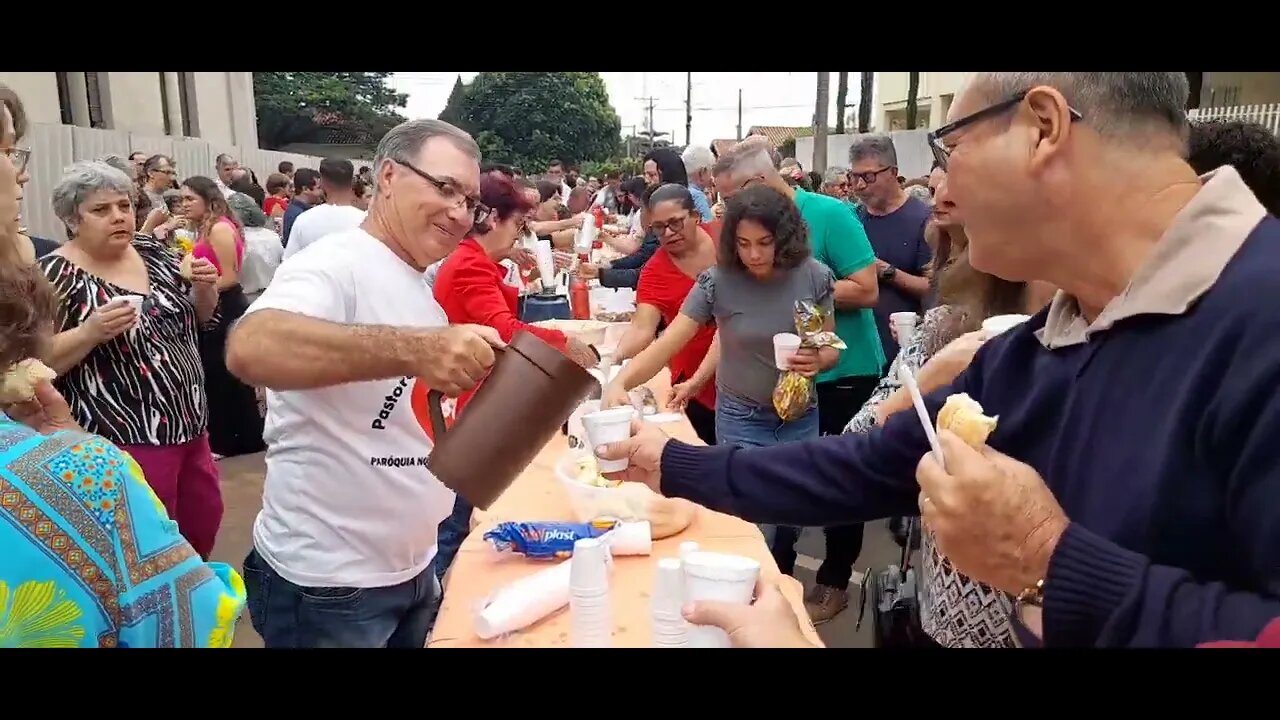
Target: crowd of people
(1127, 496)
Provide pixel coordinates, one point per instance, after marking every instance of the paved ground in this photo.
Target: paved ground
(242, 494)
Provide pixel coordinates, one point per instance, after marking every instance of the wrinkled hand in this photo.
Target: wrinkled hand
(769, 622)
(110, 320)
(804, 361)
(581, 353)
(680, 394)
(947, 364)
(991, 515)
(457, 358)
(588, 271)
(614, 396)
(46, 413)
(643, 452)
(203, 272)
(897, 402)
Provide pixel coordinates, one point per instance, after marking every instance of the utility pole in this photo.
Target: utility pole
(650, 101)
(688, 106)
(739, 114)
(819, 162)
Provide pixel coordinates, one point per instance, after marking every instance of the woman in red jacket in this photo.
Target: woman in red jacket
(470, 287)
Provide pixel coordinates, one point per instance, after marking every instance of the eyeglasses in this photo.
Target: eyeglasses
(942, 153)
(868, 177)
(18, 157)
(675, 225)
(452, 194)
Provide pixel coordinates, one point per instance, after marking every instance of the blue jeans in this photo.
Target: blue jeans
(288, 615)
(453, 530)
(744, 425)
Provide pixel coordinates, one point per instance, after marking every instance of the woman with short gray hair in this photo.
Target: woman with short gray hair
(126, 349)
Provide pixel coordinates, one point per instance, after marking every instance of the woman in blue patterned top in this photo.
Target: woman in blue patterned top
(89, 556)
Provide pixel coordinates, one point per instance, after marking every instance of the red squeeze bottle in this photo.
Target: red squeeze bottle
(579, 299)
(598, 212)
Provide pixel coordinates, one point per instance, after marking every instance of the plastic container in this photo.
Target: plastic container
(628, 502)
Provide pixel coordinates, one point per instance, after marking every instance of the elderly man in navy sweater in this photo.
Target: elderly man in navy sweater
(1130, 495)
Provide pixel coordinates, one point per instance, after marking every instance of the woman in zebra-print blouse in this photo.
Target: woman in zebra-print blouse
(126, 351)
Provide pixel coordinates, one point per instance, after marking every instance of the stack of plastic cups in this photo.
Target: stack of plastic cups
(669, 628)
(590, 622)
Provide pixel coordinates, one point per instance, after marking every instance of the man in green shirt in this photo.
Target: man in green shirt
(838, 241)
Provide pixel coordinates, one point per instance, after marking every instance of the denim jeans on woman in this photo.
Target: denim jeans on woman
(744, 424)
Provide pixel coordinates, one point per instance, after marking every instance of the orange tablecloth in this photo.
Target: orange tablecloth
(537, 495)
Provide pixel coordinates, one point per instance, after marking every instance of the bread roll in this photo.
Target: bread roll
(185, 268)
(20, 380)
(963, 416)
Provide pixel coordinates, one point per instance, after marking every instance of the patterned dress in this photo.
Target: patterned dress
(955, 610)
(88, 557)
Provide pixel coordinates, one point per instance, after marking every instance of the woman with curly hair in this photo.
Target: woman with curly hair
(764, 266)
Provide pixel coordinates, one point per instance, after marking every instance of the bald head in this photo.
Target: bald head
(1121, 105)
(753, 157)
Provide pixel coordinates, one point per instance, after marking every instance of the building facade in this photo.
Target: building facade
(214, 106)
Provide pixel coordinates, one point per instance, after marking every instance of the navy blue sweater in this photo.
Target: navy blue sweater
(1160, 438)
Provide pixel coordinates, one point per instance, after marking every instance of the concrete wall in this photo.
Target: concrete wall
(914, 156)
(223, 103)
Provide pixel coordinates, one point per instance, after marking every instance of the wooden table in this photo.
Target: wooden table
(537, 494)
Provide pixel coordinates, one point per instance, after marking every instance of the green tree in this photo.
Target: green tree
(531, 118)
(453, 108)
(298, 106)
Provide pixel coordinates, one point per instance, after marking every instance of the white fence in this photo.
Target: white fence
(1267, 116)
(54, 147)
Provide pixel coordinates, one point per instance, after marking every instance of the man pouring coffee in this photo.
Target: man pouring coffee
(348, 340)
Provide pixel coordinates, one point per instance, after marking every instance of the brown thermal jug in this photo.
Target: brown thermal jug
(529, 394)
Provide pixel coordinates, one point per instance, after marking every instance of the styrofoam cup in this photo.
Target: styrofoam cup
(997, 324)
(784, 346)
(609, 426)
(719, 577)
(589, 567)
(905, 322)
(135, 301)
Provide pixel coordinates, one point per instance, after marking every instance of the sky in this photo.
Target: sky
(768, 98)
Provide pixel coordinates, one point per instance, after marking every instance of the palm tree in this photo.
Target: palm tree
(868, 80)
(913, 107)
(842, 95)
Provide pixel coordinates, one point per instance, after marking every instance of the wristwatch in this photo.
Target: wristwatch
(1032, 596)
(887, 273)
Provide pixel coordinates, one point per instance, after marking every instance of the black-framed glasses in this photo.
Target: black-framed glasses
(868, 177)
(452, 194)
(18, 157)
(942, 153)
(675, 225)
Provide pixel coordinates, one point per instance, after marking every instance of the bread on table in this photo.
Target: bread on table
(19, 382)
(963, 416)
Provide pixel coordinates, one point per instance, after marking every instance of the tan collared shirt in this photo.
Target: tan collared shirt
(1184, 265)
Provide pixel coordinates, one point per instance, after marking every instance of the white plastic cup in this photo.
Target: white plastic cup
(784, 346)
(668, 589)
(134, 301)
(905, 324)
(630, 538)
(589, 567)
(997, 324)
(719, 577)
(609, 426)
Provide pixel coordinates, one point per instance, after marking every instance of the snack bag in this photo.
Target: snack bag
(544, 540)
(793, 393)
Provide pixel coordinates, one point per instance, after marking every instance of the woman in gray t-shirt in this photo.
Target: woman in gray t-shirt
(764, 266)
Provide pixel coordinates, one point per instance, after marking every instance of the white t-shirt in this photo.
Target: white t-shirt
(348, 501)
(319, 221)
